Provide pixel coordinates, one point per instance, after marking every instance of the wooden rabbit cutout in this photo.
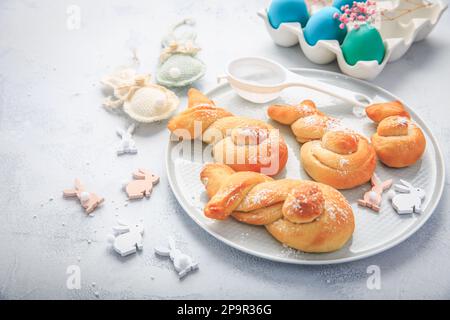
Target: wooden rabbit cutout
(89, 200)
(127, 238)
(127, 144)
(372, 198)
(142, 185)
(182, 262)
(409, 199)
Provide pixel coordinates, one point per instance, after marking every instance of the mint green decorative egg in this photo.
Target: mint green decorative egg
(363, 44)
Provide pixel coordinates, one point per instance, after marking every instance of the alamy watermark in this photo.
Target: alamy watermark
(374, 280)
(244, 147)
(73, 281)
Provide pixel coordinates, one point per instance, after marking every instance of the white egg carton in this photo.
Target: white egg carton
(402, 22)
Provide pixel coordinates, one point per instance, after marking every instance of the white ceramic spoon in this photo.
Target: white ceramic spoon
(261, 80)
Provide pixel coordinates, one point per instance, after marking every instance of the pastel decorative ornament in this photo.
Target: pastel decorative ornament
(127, 239)
(141, 100)
(409, 199)
(288, 11)
(372, 198)
(178, 64)
(142, 186)
(127, 144)
(363, 44)
(89, 200)
(323, 26)
(182, 262)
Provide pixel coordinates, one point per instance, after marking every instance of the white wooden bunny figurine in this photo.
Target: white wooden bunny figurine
(127, 144)
(409, 199)
(372, 198)
(183, 263)
(127, 239)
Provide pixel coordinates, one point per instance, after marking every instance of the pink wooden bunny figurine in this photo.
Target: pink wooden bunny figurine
(142, 186)
(372, 198)
(89, 201)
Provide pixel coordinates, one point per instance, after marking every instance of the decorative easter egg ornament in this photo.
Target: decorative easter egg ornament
(341, 3)
(409, 199)
(89, 200)
(288, 11)
(182, 262)
(178, 66)
(142, 101)
(127, 239)
(363, 42)
(142, 185)
(323, 26)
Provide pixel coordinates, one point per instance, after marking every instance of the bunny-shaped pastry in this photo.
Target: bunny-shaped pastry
(409, 200)
(372, 198)
(89, 200)
(127, 238)
(127, 144)
(182, 262)
(142, 186)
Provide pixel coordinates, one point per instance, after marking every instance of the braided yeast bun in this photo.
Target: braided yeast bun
(304, 215)
(306, 121)
(398, 142)
(244, 144)
(342, 159)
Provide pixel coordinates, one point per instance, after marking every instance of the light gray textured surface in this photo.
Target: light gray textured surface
(53, 129)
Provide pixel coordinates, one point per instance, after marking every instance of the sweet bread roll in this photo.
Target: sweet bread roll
(304, 215)
(288, 114)
(398, 142)
(312, 127)
(244, 144)
(341, 159)
(306, 121)
(379, 111)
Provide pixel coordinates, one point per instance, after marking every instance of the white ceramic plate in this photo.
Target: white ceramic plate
(374, 233)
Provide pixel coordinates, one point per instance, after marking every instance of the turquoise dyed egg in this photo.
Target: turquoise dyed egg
(339, 3)
(363, 44)
(322, 26)
(287, 11)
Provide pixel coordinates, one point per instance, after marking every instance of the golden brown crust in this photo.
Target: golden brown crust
(288, 114)
(329, 232)
(306, 121)
(227, 198)
(304, 215)
(213, 175)
(196, 98)
(267, 153)
(202, 114)
(337, 161)
(398, 142)
(261, 216)
(379, 111)
(311, 127)
(303, 204)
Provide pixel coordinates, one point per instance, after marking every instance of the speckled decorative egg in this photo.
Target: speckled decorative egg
(363, 44)
(322, 26)
(287, 11)
(339, 3)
